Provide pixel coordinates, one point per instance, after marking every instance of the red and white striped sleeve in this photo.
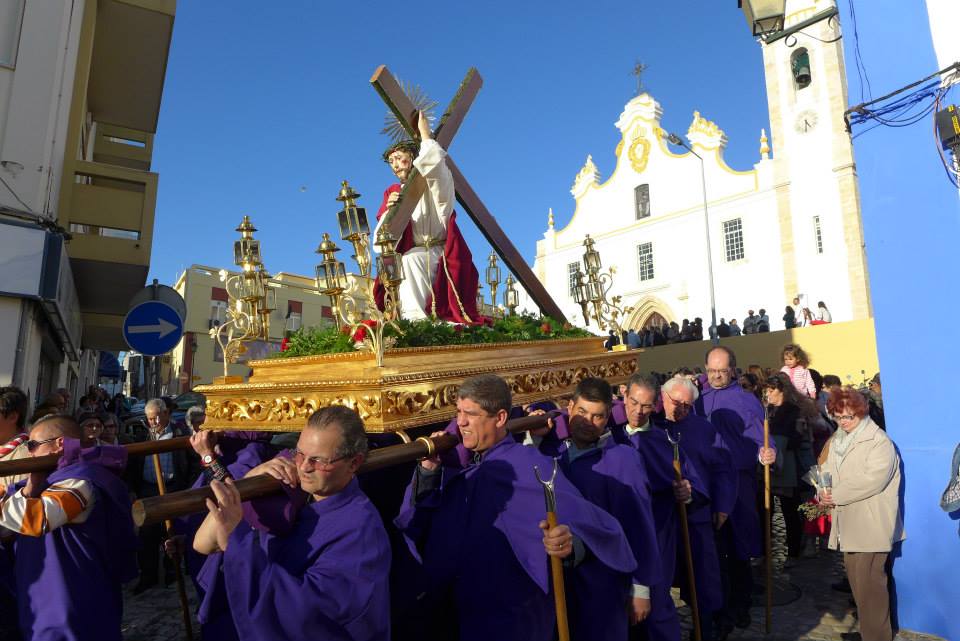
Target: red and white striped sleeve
(66, 501)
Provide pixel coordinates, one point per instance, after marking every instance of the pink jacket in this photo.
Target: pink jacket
(801, 379)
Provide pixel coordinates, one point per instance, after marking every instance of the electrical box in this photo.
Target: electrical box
(948, 127)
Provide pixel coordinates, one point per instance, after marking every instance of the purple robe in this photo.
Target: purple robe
(612, 477)
(240, 454)
(703, 446)
(477, 535)
(738, 416)
(325, 579)
(663, 624)
(69, 580)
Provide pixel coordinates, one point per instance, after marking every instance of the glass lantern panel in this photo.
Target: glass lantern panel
(322, 282)
(341, 279)
(493, 273)
(343, 221)
(592, 260)
(362, 225)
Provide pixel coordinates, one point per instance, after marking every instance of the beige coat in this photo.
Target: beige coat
(18, 452)
(866, 491)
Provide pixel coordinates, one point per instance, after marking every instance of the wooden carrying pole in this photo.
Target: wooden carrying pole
(687, 551)
(767, 544)
(177, 504)
(178, 568)
(48, 463)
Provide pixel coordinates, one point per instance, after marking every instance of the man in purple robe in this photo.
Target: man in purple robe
(231, 454)
(704, 447)
(650, 440)
(738, 416)
(604, 602)
(75, 542)
(327, 577)
(475, 527)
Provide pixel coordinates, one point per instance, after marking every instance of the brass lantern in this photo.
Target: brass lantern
(591, 257)
(389, 262)
(511, 298)
(480, 302)
(351, 219)
(493, 276)
(246, 251)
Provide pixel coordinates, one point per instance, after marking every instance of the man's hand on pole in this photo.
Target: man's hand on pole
(557, 541)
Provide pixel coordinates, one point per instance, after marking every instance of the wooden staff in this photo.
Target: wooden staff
(48, 463)
(177, 504)
(685, 533)
(768, 563)
(556, 564)
(178, 569)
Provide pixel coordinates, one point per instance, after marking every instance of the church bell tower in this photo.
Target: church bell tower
(818, 203)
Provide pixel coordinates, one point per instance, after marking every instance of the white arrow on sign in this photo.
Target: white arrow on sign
(162, 328)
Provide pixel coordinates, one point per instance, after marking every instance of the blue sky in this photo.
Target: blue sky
(262, 99)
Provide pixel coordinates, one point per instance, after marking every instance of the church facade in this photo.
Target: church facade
(788, 226)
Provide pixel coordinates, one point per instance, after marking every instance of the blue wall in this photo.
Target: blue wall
(911, 218)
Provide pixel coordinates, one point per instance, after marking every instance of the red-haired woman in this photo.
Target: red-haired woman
(865, 492)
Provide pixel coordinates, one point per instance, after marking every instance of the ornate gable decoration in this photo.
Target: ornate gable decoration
(639, 151)
(705, 133)
(588, 176)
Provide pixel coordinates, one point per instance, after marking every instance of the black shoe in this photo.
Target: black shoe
(841, 586)
(742, 619)
(851, 636)
(143, 586)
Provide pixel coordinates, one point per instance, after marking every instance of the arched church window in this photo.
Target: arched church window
(641, 197)
(800, 67)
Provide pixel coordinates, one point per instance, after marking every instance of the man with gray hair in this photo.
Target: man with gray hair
(178, 468)
(328, 577)
(705, 449)
(474, 526)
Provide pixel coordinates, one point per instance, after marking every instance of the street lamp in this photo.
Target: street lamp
(677, 140)
(331, 275)
(767, 17)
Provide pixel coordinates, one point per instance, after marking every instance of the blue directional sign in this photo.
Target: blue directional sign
(152, 328)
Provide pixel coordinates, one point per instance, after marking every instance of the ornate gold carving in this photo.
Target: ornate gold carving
(424, 393)
(616, 152)
(639, 152)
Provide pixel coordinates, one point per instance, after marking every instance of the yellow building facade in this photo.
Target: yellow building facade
(198, 359)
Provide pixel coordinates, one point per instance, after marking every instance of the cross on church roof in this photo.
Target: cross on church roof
(638, 70)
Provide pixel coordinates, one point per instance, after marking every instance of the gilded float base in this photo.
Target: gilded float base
(416, 386)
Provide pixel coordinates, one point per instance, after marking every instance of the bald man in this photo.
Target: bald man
(74, 538)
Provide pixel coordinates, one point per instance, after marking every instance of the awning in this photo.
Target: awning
(109, 366)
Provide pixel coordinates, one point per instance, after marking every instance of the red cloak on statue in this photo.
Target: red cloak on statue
(460, 266)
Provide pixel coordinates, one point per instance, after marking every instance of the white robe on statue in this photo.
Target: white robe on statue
(429, 222)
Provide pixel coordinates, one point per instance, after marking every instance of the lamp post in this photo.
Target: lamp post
(331, 276)
(511, 298)
(606, 311)
(766, 19)
(580, 295)
(677, 140)
(493, 277)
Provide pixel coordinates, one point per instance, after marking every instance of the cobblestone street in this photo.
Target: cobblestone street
(818, 614)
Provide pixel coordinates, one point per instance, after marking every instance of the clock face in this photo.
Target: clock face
(806, 121)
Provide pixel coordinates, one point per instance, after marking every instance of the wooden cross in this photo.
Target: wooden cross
(399, 215)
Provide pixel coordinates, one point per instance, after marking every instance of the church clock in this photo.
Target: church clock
(806, 121)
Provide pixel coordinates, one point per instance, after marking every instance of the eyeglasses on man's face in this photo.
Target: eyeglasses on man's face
(318, 462)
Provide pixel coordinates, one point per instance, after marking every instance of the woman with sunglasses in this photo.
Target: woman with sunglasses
(865, 472)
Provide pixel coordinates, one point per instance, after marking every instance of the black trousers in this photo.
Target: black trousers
(151, 546)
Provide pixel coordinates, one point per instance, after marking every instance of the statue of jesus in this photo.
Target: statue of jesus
(439, 277)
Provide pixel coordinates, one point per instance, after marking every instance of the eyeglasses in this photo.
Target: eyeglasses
(680, 403)
(319, 462)
(33, 445)
(844, 417)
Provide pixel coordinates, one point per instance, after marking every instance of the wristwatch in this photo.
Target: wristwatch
(206, 460)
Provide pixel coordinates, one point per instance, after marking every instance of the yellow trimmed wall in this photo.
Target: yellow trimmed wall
(843, 349)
